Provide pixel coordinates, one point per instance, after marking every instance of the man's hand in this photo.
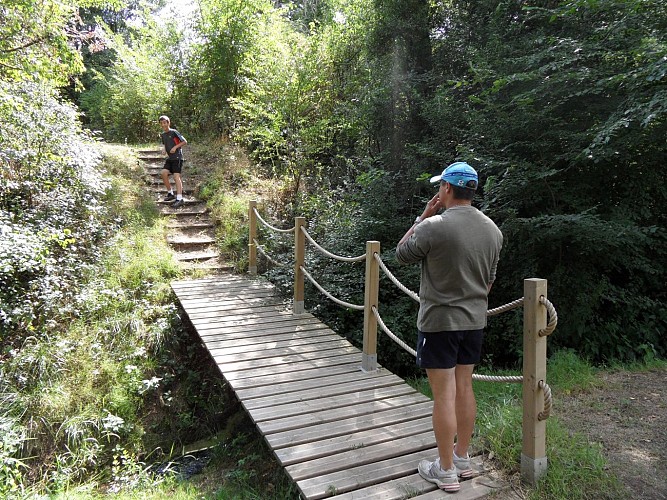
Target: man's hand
(432, 207)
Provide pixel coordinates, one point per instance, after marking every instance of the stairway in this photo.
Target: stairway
(191, 231)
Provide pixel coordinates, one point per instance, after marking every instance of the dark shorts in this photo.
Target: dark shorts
(174, 165)
(448, 349)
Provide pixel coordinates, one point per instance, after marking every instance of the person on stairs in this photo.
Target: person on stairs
(173, 142)
(458, 250)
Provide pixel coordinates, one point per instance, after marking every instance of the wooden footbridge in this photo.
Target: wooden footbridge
(336, 429)
(338, 422)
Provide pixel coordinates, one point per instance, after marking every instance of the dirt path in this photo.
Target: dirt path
(628, 416)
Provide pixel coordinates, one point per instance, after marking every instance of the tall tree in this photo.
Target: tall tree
(564, 111)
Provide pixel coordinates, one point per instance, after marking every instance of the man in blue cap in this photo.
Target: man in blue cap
(458, 251)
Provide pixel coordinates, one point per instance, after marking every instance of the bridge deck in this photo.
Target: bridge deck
(335, 429)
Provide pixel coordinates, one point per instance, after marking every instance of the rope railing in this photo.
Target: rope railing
(273, 228)
(321, 289)
(329, 254)
(537, 326)
(391, 334)
(261, 250)
(409, 350)
(395, 280)
(552, 315)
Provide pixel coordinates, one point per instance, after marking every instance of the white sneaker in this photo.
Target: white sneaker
(445, 479)
(462, 465)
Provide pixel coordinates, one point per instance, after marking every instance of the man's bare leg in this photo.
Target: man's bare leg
(466, 409)
(179, 185)
(443, 386)
(165, 179)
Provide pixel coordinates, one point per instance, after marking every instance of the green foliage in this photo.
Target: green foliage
(559, 111)
(34, 41)
(559, 105)
(126, 99)
(50, 192)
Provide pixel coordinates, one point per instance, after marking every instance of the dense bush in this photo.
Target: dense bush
(50, 193)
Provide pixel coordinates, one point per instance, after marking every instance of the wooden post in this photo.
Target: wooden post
(533, 455)
(252, 236)
(299, 260)
(371, 289)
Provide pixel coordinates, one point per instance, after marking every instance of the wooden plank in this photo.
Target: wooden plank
(300, 369)
(243, 319)
(245, 379)
(226, 311)
(273, 350)
(364, 455)
(224, 287)
(234, 289)
(355, 477)
(354, 440)
(281, 362)
(216, 280)
(277, 340)
(410, 486)
(329, 404)
(270, 328)
(321, 391)
(323, 416)
(206, 300)
(250, 323)
(303, 385)
(312, 350)
(350, 425)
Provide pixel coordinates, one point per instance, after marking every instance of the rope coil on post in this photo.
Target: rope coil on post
(337, 301)
(552, 315)
(329, 254)
(544, 414)
(259, 217)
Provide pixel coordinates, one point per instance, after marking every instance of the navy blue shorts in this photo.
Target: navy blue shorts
(174, 165)
(448, 349)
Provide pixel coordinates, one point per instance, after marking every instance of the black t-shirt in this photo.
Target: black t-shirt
(171, 138)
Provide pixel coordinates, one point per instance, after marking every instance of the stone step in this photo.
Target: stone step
(203, 224)
(194, 209)
(214, 264)
(197, 255)
(181, 240)
(187, 200)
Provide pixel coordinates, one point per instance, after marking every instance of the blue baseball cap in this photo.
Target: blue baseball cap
(458, 174)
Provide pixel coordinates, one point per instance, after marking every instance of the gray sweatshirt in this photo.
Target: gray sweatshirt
(458, 251)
